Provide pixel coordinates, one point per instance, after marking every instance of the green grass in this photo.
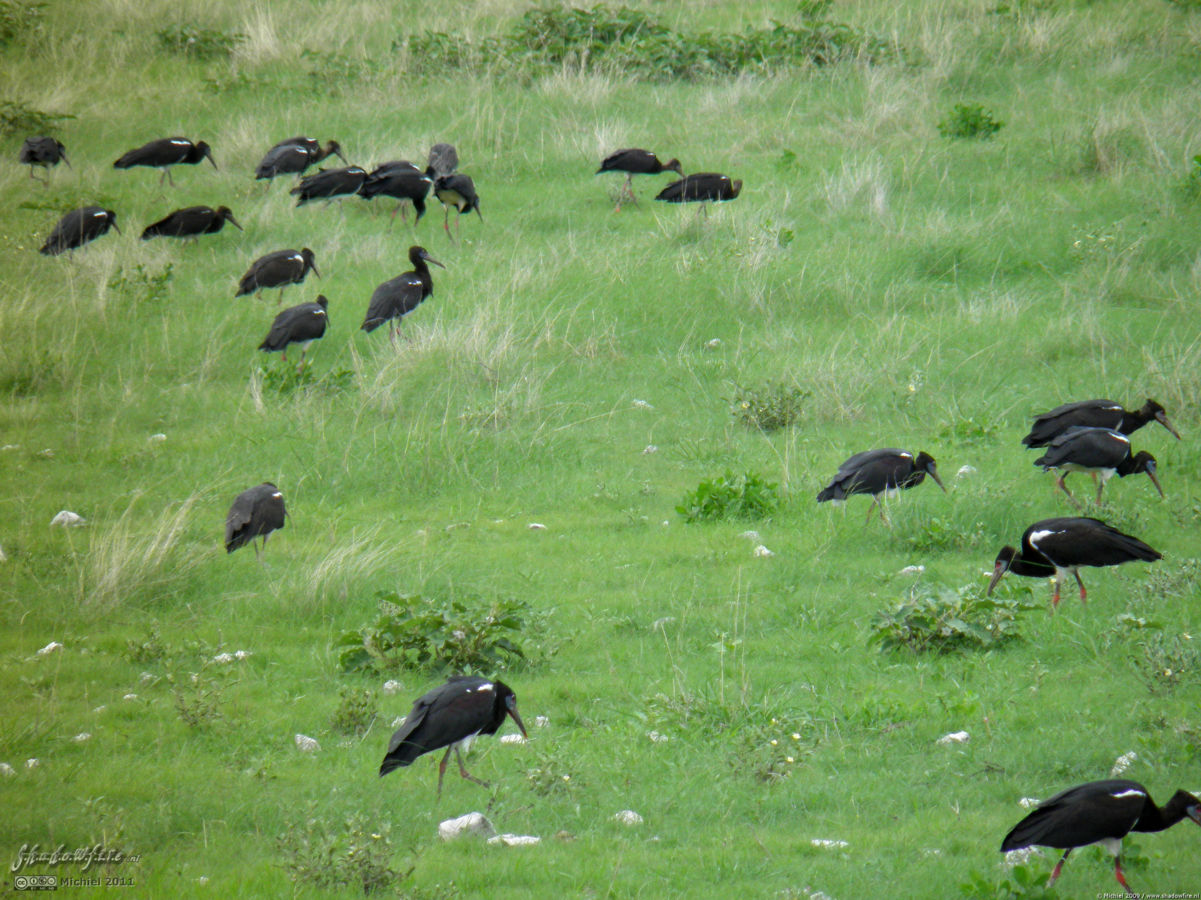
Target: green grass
(916, 291)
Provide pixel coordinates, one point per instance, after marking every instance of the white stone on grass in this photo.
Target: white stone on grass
(627, 817)
(514, 840)
(965, 471)
(7, 771)
(750, 536)
(82, 736)
(32, 763)
(536, 526)
(955, 737)
(306, 744)
(1028, 802)
(642, 404)
(157, 438)
(649, 449)
(130, 697)
(512, 739)
(50, 648)
(3, 556)
(761, 552)
(541, 721)
(657, 738)
(1020, 857)
(466, 824)
(1122, 763)
(713, 343)
(391, 686)
(913, 570)
(67, 519)
(828, 844)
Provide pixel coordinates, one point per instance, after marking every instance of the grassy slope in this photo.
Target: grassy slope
(997, 279)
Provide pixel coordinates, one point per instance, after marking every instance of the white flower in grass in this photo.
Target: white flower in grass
(649, 449)
(100, 709)
(761, 552)
(955, 737)
(627, 817)
(241, 654)
(1122, 763)
(82, 736)
(965, 471)
(223, 658)
(657, 738)
(203, 879)
(642, 404)
(391, 686)
(50, 648)
(398, 721)
(1020, 857)
(130, 697)
(306, 744)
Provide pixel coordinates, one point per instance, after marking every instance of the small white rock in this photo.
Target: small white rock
(713, 343)
(391, 686)
(913, 570)
(82, 736)
(627, 817)
(666, 522)
(398, 721)
(101, 708)
(515, 840)
(3, 556)
(203, 879)
(469, 823)
(1028, 803)
(1020, 857)
(67, 519)
(965, 471)
(32, 763)
(642, 404)
(750, 536)
(761, 552)
(7, 771)
(130, 697)
(649, 449)
(157, 438)
(48, 453)
(657, 738)
(827, 844)
(955, 737)
(145, 678)
(512, 739)
(50, 648)
(306, 744)
(541, 721)
(536, 526)
(11, 447)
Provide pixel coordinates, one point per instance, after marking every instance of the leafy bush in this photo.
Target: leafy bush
(359, 855)
(769, 407)
(461, 635)
(943, 620)
(286, 379)
(202, 43)
(1022, 881)
(140, 283)
(355, 713)
(21, 119)
(925, 533)
(1164, 662)
(19, 19)
(630, 42)
(969, 120)
(730, 496)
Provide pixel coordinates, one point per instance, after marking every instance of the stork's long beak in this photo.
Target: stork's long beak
(1154, 481)
(1163, 420)
(512, 710)
(430, 259)
(1000, 570)
(210, 158)
(63, 154)
(934, 474)
(234, 223)
(114, 224)
(1194, 813)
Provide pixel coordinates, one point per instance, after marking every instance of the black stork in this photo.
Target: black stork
(457, 191)
(293, 156)
(635, 161)
(278, 269)
(1099, 812)
(44, 152)
(1100, 452)
(301, 324)
(167, 152)
(701, 187)
(191, 222)
(878, 472)
(255, 512)
(443, 160)
(399, 296)
(1062, 546)
(1095, 414)
(328, 184)
(451, 716)
(79, 227)
(403, 181)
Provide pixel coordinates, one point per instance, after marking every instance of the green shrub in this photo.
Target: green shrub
(18, 20)
(768, 407)
(286, 379)
(358, 855)
(201, 43)
(730, 496)
(943, 620)
(21, 119)
(969, 120)
(465, 634)
(355, 713)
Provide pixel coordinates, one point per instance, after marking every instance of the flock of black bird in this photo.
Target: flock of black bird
(1090, 436)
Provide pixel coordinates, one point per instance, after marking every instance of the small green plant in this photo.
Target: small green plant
(768, 407)
(22, 119)
(201, 43)
(358, 856)
(969, 120)
(1164, 662)
(941, 619)
(286, 379)
(463, 634)
(730, 496)
(19, 20)
(1018, 883)
(141, 284)
(968, 430)
(199, 696)
(355, 713)
(925, 534)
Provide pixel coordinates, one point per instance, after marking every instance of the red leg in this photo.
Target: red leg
(1063, 487)
(1083, 592)
(1055, 595)
(442, 769)
(1058, 867)
(1117, 873)
(463, 770)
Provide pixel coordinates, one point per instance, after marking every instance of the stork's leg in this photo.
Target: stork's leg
(463, 769)
(1055, 593)
(442, 769)
(1083, 593)
(1059, 867)
(875, 503)
(1118, 874)
(1059, 482)
(446, 221)
(458, 218)
(1100, 488)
